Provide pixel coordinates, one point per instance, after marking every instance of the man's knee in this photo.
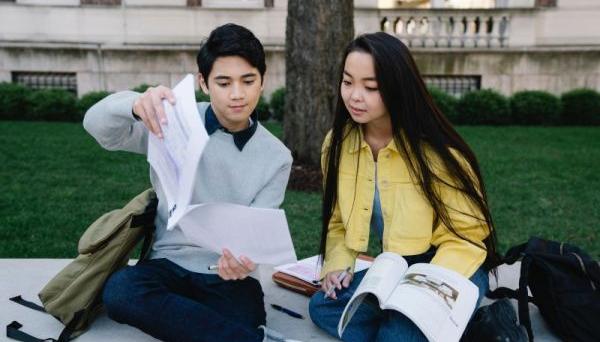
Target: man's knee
(117, 295)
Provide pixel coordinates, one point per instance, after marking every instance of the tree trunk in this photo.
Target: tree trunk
(316, 34)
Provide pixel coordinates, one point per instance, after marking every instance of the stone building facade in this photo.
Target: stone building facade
(508, 45)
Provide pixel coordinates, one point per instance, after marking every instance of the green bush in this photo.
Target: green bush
(142, 87)
(14, 102)
(446, 103)
(483, 107)
(88, 100)
(533, 107)
(581, 107)
(263, 110)
(278, 103)
(201, 96)
(53, 105)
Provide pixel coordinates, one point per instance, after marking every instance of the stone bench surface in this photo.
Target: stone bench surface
(26, 277)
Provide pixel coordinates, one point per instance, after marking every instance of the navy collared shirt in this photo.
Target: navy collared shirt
(240, 138)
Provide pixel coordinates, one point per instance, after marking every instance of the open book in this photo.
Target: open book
(439, 301)
(215, 226)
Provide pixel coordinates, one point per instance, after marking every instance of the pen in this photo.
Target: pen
(341, 277)
(287, 311)
(213, 267)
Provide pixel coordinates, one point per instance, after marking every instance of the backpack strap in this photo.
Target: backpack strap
(514, 254)
(19, 300)
(65, 335)
(13, 330)
(523, 297)
(146, 221)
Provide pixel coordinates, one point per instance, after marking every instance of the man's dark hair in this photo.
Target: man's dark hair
(231, 40)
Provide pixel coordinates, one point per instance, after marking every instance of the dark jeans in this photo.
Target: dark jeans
(173, 304)
(370, 323)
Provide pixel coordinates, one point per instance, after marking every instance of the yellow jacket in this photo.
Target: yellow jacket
(407, 215)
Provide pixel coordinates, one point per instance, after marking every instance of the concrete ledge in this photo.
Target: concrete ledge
(27, 276)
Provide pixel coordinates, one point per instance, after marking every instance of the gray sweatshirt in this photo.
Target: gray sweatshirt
(255, 176)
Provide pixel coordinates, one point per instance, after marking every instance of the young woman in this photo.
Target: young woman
(394, 167)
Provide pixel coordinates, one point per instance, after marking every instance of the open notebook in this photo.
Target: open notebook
(303, 276)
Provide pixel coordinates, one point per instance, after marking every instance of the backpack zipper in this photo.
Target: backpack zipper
(583, 268)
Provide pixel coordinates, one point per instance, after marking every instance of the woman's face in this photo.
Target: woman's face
(360, 91)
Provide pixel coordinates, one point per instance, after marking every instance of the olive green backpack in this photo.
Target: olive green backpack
(74, 295)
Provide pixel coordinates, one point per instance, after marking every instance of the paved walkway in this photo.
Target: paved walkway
(26, 277)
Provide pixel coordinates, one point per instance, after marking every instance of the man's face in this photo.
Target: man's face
(234, 87)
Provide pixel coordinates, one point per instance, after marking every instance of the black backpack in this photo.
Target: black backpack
(565, 285)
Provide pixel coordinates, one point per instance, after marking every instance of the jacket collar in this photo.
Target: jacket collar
(356, 140)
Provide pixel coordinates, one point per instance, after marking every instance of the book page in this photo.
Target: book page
(309, 269)
(257, 233)
(380, 280)
(439, 301)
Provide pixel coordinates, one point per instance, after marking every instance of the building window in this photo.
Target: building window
(193, 3)
(45, 80)
(545, 3)
(101, 2)
(454, 85)
(235, 4)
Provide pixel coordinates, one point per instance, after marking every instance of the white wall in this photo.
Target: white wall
(133, 25)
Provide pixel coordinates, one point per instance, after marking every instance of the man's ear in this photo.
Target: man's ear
(203, 84)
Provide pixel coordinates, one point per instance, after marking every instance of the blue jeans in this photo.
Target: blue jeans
(173, 304)
(370, 323)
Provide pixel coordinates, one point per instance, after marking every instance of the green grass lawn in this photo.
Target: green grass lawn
(55, 180)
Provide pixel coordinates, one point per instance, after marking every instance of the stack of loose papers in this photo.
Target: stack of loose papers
(215, 226)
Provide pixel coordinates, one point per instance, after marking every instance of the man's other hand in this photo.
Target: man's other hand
(231, 269)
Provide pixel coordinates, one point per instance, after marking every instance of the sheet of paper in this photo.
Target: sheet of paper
(309, 269)
(260, 234)
(175, 158)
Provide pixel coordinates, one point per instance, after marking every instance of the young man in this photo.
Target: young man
(172, 296)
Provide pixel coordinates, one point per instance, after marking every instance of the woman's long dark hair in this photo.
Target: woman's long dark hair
(417, 124)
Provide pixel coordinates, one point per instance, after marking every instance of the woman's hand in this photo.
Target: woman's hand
(150, 110)
(331, 282)
(231, 269)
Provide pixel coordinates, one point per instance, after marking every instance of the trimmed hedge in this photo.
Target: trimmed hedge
(263, 109)
(581, 107)
(446, 103)
(14, 101)
(142, 87)
(278, 103)
(484, 107)
(88, 100)
(201, 96)
(535, 107)
(53, 105)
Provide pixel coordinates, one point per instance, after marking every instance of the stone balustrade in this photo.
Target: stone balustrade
(448, 28)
